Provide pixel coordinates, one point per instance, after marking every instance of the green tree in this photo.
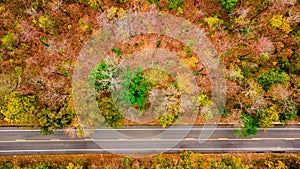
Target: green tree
(135, 89)
(266, 80)
(251, 124)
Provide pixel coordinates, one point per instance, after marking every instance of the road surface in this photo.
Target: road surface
(150, 140)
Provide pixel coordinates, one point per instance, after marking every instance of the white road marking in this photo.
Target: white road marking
(155, 149)
(149, 139)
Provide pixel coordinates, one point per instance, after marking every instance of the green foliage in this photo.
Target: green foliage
(39, 166)
(102, 75)
(121, 1)
(7, 165)
(233, 162)
(173, 4)
(116, 51)
(93, 3)
(51, 120)
(188, 50)
(185, 159)
(179, 11)
(8, 41)
(251, 123)
(135, 89)
(112, 116)
(18, 108)
(228, 4)
(155, 2)
(126, 162)
(158, 43)
(288, 111)
(266, 80)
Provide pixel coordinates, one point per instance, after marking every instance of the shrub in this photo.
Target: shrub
(112, 116)
(288, 111)
(155, 2)
(170, 107)
(267, 117)
(51, 120)
(8, 41)
(115, 12)
(126, 162)
(121, 1)
(116, 51)
(101, 76)
(184, 82)
(18, 108)
(135, 89)
(212, 22)
(251, 124)
(228, 4)
(266, 80)
(45, 22)
(93, 3)
(277, 21)
(203, 100)
(173, 4)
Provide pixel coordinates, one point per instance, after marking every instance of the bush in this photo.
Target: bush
(228, 4)
(277, 21)
(251, 124)
(173, 4)
(266, 80)
(115, 12)
(170, 108)
(18, 108)
(288, 111)
(101, 76)
(121, 1)
(8, 41)
(51, 120)
(126, 162)
(112, 116)
(267, 117)
(135, 89)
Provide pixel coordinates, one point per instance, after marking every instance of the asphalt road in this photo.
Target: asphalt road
(149, 140)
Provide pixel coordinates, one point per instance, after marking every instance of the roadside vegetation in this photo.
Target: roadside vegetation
(185, 159)
(258, 41)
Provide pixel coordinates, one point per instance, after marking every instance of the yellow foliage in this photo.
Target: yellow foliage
(45, 22)
(191, 62)
(18, 108)
(268, 116)
(213, 21)
(278, 21)
(203, 100)
(73, 166)
(115, 12)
